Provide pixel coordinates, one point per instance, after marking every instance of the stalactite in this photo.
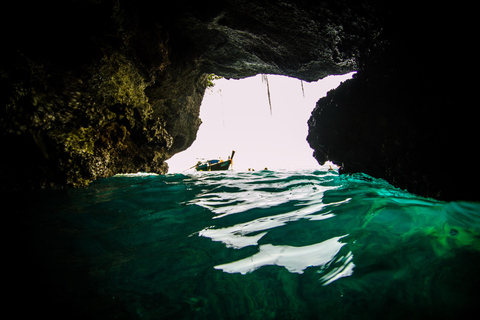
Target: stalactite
(265, 80)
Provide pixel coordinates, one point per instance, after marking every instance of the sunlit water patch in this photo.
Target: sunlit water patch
(255, 245)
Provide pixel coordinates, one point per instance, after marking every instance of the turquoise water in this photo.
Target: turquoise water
(255, 245)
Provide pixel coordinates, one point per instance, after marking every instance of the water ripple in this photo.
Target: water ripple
(294, 259)
(262, 245)
(250, 206)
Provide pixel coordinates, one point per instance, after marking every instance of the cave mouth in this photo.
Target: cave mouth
(263, 118)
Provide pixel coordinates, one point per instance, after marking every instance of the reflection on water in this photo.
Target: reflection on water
(304, 197)
(343, 267)
(247, 191)
(237, 236)
(294, 259)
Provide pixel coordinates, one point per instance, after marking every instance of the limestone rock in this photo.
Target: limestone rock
(405, 116)
(98, 87)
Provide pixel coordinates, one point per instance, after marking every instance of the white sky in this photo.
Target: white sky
(236, 116)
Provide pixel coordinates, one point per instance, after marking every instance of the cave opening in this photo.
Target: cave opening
(263, 118)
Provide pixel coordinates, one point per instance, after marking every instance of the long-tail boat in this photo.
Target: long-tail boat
(215, 165)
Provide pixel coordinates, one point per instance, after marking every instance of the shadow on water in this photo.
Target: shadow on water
(263, 245)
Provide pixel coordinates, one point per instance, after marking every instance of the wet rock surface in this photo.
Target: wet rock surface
(94, 88)
(405, 117)
(384, 127)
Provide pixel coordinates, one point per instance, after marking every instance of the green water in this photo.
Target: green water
(256, 245)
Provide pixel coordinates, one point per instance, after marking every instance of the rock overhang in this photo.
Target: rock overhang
(144, 116)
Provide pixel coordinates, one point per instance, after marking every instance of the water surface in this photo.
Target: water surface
(255, 245)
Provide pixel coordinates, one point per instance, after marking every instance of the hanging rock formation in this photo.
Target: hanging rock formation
(94, 88)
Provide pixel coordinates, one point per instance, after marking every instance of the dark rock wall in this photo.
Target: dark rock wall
(384, 127)
(92, 89)
(406, 115)
(98, 87)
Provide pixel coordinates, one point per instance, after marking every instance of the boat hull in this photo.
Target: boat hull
(219, 166)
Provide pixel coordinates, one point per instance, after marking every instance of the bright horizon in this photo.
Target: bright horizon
(236, 116)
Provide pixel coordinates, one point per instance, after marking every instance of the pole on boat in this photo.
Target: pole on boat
(190, 168)
(231, 159)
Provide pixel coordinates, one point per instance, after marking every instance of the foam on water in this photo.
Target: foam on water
(252, 245)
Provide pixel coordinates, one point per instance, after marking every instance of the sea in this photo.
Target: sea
(301, 244)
